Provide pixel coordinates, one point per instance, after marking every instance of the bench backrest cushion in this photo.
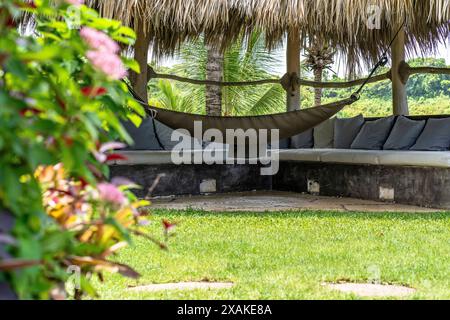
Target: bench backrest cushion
(435, 136)
(373, 134)
(404, 134)
(324, 135)
(346, 130)
(144, 137)
(303, 141)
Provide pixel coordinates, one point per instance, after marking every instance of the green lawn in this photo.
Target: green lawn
(289, 255)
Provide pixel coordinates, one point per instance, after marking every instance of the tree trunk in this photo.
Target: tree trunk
(214, 71)
(318, 73)
(140, 81)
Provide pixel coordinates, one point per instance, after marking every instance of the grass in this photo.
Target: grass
(289, 255)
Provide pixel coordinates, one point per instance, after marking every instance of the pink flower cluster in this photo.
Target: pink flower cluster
(99, 41)
(75, 2)
(110, 193)
(109, 64)
(104, 53)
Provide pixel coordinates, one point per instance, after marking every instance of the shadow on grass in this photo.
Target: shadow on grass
(432, 216)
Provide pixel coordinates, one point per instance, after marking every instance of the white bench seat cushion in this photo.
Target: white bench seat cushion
(351, 157)
(439, 159)
(371, 157)
(360, 157)
(144, 158)
(306, 155)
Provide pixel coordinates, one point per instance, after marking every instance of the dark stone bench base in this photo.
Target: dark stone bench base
(426, 187)
(186, 179)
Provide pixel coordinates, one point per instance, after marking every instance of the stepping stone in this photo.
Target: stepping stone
(372, 290)
(182, 286)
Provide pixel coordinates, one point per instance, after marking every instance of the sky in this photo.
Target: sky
(445, 53)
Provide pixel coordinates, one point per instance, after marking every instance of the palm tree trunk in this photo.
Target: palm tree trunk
(318, 91)
(214, 71)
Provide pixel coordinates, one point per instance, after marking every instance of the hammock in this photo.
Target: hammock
(289, 124)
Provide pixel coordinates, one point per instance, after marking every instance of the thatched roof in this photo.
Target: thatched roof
(343, 22)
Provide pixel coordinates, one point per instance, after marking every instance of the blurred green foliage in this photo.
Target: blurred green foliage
(46, 118)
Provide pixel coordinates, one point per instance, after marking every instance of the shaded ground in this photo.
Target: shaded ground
(290, 255)
(262, 201)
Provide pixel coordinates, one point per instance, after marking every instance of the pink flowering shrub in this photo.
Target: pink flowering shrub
(91, 215)
(61, 106)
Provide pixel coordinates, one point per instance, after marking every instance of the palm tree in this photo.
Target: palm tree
(170, 97)
(319, 57)
(240, 63)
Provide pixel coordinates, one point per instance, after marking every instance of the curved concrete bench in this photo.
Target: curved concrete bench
(408, 177)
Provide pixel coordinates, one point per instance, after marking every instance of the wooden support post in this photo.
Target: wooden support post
(140, 81)
(293, 69)
(399, 94)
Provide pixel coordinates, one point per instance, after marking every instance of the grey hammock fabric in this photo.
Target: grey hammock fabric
(373, 134)
(404, 134)
(324, 135)
(346, 130)
(435, 136)
(289, 124)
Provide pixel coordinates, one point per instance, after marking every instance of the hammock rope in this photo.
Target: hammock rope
(381, 63)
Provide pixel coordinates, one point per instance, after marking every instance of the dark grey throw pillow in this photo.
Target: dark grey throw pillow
(404, 134)
(143, 137)
(283, 144)
(147, 137)
(435, 136)
(373, 134)
(346, 130)
(165, 135)
(324, 135)
(303, 141)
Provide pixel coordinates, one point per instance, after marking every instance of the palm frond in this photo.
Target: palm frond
(241, 63)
